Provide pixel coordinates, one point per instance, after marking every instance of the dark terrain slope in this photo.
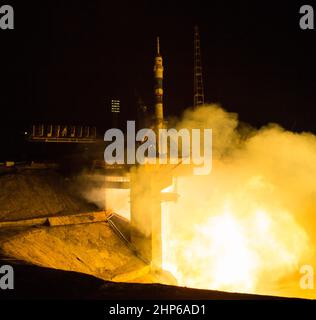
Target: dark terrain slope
(32, 282)
(31, 193)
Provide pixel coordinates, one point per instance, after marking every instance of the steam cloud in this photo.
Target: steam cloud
(250, 224)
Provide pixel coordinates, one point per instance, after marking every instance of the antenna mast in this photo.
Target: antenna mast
(198, 79)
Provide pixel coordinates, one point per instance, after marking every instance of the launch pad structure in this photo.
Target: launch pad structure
(147, 181)
(148, 184)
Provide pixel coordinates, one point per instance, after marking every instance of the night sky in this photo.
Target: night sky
(65, 60)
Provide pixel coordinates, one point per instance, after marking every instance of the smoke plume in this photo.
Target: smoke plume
(250, 224)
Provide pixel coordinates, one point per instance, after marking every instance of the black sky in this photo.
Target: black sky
(65, 60)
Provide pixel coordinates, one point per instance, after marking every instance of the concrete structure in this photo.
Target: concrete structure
(145, 194)
(115, 111)
(115, 106)
(62, 133)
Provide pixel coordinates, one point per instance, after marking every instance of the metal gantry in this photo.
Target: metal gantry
(198, 77)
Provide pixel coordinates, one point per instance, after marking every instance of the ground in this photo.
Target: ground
(32, 282)
(76, 260)
(29, 193)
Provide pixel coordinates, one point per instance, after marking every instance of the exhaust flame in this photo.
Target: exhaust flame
(240, 253)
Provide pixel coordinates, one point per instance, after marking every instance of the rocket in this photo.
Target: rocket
(158, 77)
